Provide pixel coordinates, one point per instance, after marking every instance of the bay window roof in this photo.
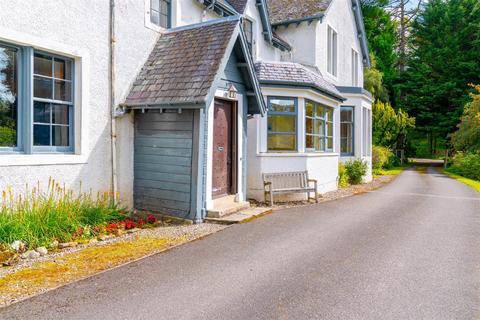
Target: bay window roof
(295, 75)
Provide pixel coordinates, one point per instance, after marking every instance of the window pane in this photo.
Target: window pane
(42, 65)
(41, 135)
(346, 115)
(309, 144)
(42, 87)
(155, 5)
(277, 105)
(155, 17)
(282, 142)
(63, 90)
(319, 143)
(41, 112)
(60, 114)
(320, 127)
(329, 143)
(309, 125)
(164, 7)
(63, 69)
(281, 124)
(320, 112)
(163, 21)
(8, 97)
(60, 136)
(330, 129)
(309, 109)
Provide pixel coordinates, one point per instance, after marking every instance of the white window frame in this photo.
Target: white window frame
(351, 123)
(355, 68)
(332, 51)
(325, 122)
(148, 19)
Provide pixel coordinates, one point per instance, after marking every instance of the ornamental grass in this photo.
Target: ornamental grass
(40, 217)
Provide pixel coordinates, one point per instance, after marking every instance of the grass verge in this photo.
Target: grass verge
(47, 275)
(393, 171)
(475, 184)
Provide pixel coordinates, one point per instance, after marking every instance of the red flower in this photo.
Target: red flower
(151, 219)
(129, 224)
(111, 227)
(140, 222)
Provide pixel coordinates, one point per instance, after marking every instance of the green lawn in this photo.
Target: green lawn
(475, 184)
(393, 171)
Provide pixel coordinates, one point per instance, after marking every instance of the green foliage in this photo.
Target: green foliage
(7, 136)
(466, 165)
(467, 137)
(444, 57)
(356, 170)
(38, 218)
(380, 27)
(342, 176)
(381, 157)
(373, 82)
(389, 125)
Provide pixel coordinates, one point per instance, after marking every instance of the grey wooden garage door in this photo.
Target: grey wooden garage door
(163, 162)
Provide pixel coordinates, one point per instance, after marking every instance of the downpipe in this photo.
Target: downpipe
(113, 122)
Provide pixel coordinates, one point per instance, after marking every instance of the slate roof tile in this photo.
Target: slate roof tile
(183, 65)
(289, 72)
(238, 5)
(287, 10)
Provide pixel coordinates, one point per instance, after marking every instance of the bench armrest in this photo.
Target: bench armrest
(312, 180)
(267, 183)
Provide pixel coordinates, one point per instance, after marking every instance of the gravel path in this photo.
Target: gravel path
(189, 232)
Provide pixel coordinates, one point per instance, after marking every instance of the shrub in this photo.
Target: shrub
(467, 165)
(342, 176)
(380, 157)
(467, 137)
(356, 170)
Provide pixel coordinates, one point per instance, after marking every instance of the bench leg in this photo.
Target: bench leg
(271, 198)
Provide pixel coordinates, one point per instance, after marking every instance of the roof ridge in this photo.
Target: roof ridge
(204, 24)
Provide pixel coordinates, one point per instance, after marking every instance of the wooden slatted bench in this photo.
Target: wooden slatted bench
(288, 182)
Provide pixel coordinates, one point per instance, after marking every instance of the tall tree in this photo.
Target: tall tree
(444, 57)
(381, 35)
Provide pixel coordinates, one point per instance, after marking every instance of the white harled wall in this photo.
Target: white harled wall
(80, 30)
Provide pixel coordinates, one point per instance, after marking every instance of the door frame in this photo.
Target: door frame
(234, 147)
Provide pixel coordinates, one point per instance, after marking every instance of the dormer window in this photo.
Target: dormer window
(248, 29)
(160, 13)
(332, 43)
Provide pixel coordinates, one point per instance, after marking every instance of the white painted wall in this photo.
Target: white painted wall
(341, 18)
(359, 102)
(78, 29)
(303, 39)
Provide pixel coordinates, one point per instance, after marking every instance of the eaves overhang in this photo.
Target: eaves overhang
(310, 19)
(302, 85)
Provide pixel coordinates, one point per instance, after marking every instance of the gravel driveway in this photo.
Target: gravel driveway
(410, 250)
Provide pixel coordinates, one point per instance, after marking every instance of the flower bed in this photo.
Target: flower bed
(59, 218)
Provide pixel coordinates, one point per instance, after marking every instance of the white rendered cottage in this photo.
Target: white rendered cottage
(125, 95)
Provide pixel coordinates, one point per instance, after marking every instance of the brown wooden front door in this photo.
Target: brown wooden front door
(223, 149)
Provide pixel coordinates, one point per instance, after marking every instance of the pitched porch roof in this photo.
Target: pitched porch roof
(296, 75)
(185, 66)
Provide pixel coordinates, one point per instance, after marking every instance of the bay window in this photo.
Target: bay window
(282, 124)
(318, 127)
(38, 119)
(346, 131)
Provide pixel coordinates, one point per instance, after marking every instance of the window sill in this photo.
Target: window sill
(298, 154)
(14, 160)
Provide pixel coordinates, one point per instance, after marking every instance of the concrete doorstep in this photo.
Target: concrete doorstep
(241, 216)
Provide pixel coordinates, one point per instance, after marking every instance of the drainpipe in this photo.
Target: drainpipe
(113, 124)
